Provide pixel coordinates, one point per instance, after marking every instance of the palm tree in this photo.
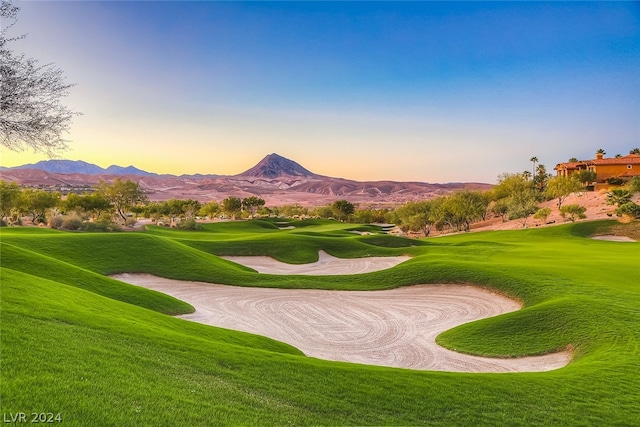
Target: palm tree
(526, 175)
(635, 151)
(573, 159)
(534, 159)
(601, 151)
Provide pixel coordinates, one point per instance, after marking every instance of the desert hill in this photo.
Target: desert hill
(276, 179)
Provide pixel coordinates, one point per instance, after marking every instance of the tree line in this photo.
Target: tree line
(121, 203)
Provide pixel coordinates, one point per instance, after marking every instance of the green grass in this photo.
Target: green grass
(102, 352)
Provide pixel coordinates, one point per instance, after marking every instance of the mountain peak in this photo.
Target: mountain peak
(274, 166)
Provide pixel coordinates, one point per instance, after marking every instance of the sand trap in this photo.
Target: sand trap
(326, 265)
(613, 238)
(388, 328)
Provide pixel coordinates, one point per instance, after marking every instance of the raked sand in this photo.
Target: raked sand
(387, 328)
(326, 264)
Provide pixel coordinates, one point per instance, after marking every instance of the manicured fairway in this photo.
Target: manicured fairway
(102, 352)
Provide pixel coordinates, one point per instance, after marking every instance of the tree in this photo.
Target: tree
(122, 195)
(416, 216)
(251, 204)
(534, 160)
(634, 151)
(561, 187)
(210, 209)
(465, 207)
(9, 198)
(522, 204)
(586, 176)
(601, 151)
(573, 159)
(499, 208)
(541, 178)
(342, 209)
(91, 204)
(31, 115)
(573, 212)
(232, 206)
(37, 202)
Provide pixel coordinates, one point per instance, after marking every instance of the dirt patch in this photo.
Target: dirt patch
(326, 265)
(387, 328)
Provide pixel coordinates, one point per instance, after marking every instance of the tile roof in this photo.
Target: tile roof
(629, 159)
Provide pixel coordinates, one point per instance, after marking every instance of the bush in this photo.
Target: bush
(71, 222)
(634, 185)
(629, 209)
(573, 212)
(542, 214)
(189, 224)
(55, 221)
(101, 225)
(614, 180)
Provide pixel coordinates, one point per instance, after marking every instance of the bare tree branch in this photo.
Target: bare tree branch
(31, 115)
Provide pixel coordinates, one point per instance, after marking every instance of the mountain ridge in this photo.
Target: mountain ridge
(276, 179)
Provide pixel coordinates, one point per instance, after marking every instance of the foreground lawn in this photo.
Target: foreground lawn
(101, 352)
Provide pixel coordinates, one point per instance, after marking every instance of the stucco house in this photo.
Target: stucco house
(624, 167)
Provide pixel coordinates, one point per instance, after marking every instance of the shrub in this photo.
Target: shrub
(189, 224)
(634, 185)
(573, 212)
(101, 225)
(629, 209)
(55, 221)
(614, 180)
(71, 222)
(542, 214)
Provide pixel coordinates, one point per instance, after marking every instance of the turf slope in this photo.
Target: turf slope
(101, 352)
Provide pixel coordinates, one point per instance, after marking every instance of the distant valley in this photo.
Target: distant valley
(276, 179)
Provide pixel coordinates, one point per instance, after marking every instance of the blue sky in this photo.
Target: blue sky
(423, 91)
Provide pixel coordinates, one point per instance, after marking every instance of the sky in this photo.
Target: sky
(405, 91)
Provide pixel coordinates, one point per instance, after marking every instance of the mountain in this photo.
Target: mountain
(275, 166)
(62, 166)
(80, 167)
(276, 179)
(129, 170)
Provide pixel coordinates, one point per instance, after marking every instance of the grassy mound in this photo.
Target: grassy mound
(100, 352)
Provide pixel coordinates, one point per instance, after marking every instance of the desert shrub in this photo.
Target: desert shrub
(71, 222)
(542, 214)
(634, 185)
(55, 221)
(130, 222)
(614, 180)
(101, 225)
(573, 212)
(189, 224)
(629, 209)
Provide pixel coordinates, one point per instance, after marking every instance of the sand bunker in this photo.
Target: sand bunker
(613, 238)
(388, 328)
(326, 265)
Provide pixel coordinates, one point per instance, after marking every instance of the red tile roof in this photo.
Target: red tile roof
(629, 159)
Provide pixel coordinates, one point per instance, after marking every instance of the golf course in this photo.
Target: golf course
(90, 349)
